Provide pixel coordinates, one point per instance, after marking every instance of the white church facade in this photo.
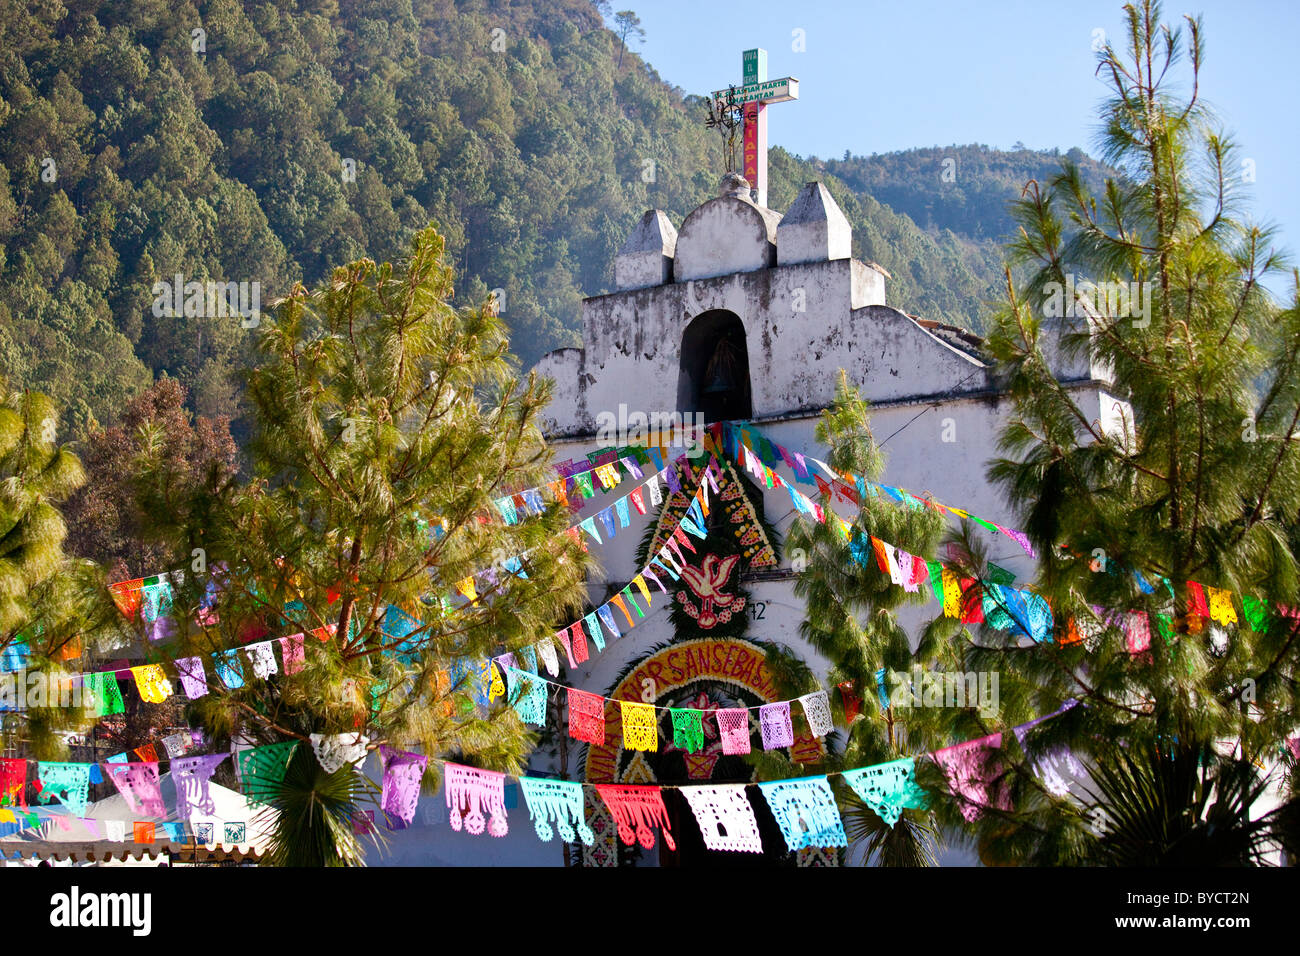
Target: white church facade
(742, 314)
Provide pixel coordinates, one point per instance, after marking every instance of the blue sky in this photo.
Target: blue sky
(878, 77)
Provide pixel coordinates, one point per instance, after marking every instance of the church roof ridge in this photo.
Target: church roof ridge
(954, 335)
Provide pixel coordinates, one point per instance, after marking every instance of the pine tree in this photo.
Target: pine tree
(1190, 474)
(386, 426)
(851, 619)
(50, 604)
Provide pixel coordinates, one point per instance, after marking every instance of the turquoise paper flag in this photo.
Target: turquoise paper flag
(527, 695)
(805, 810)
(261, 768)
(888, 788)
(175, 832)
(593, 628)
(558, 803)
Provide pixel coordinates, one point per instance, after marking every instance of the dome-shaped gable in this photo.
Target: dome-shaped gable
(725, 235)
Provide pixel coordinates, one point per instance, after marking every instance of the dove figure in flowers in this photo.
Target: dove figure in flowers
(707, 581)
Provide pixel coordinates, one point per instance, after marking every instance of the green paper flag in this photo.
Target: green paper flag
(1256, 612)
(1000, 575)
(107, 694)
(1165, 625)
(936, 579)
(688, 728)
(626, 592)
(261, 767)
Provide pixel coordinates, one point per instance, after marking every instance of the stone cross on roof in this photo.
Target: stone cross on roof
(753, 96)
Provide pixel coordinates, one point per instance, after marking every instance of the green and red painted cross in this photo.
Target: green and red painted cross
(754, 95)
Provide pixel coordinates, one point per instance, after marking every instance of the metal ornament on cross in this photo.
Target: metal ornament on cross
(756, 92)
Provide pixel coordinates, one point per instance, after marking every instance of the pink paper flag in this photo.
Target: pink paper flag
(971, 772)
(291, 649)
(733, 729)
(470, 791)
(138, 784)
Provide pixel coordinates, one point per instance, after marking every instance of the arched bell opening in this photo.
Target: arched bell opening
(714, 372)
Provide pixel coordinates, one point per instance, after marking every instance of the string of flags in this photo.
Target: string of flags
(151, 596)
(102, 691)
(210, 833)
(991, 602)
(640, 722)
(758, 454)
(805, 808)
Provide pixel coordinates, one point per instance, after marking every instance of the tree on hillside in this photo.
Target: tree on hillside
(850, 619)
(387, 424)
(1162, 521)
(114, 518)
(628, 24)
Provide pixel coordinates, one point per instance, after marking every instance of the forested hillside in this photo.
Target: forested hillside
(269, 141)
(964, 189)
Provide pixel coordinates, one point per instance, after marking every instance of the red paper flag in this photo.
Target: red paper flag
(637, 810)
(580, 653)
(852, 702)
(13, 782)
(586, 716)
(972, 602)
(126, 595)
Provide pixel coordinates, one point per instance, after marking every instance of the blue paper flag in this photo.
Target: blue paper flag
(229, 669)
(607, 618)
